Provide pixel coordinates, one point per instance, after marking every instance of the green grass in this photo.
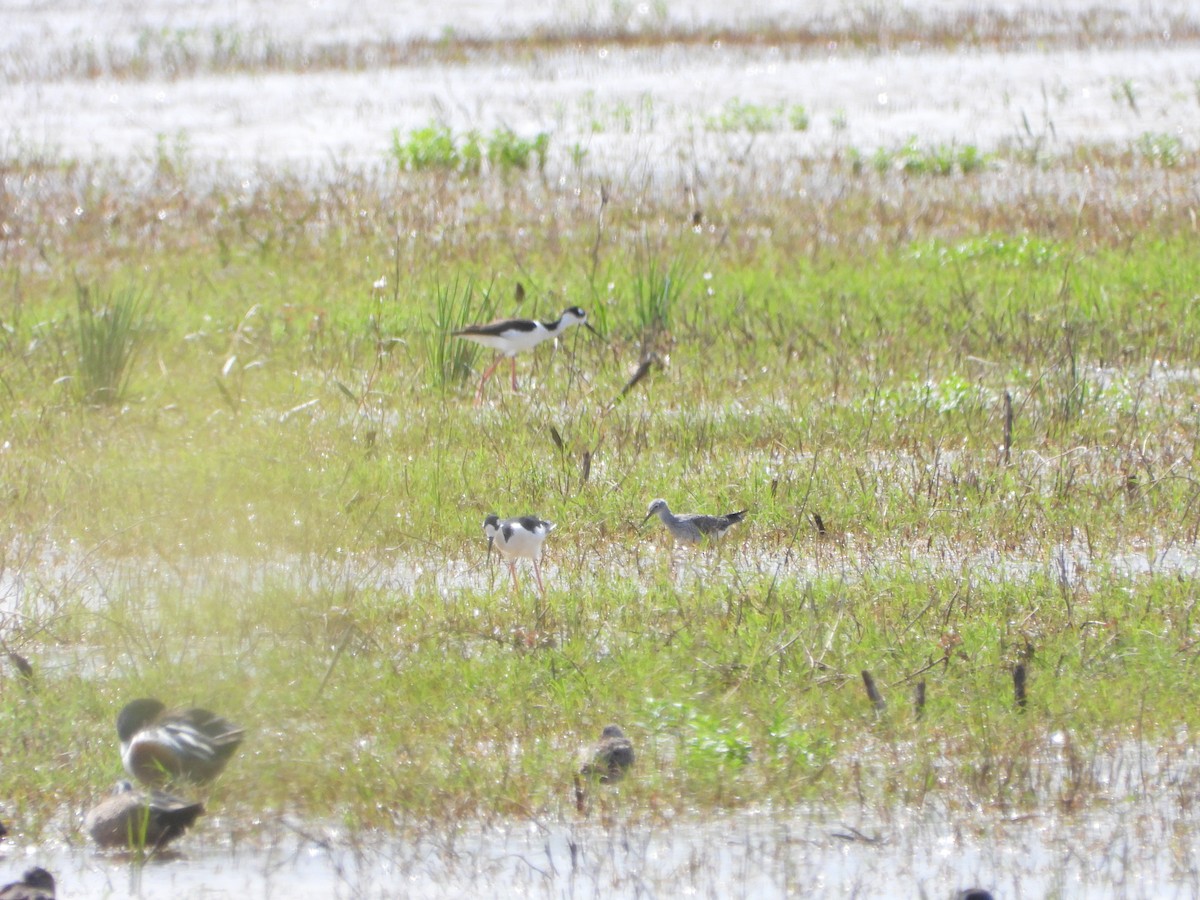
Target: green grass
(943, 159)
(755, 118)
(449, 360)
(281, 518)
(436, 147)
(1164, 150)
(108, 333)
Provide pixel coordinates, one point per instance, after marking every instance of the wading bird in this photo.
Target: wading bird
(692, 528)
(37, 884)
(510, 336)
(611, 758)
(518, 538)
(158, 745)
(130, 819)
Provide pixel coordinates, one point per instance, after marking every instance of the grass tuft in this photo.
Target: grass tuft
(942, 160)
(450, 360)
(435, 147)
(657, 284)
(109, 333)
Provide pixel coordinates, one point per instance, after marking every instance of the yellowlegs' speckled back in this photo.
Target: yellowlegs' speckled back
(692, 528)
(193, 744)
(128, 818)
(510, 336)
(518, 538)
(36, 884)
(612, 757)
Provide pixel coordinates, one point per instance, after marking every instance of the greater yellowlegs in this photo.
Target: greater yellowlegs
(692, 528)
(510, 336)
(611, 758)
(129, 818)
(37, 884)
(156, 744)
(518, 538)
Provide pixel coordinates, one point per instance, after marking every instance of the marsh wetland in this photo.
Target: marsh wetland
(918, 288)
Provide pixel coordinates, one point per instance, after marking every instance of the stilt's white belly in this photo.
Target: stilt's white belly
(521, 544)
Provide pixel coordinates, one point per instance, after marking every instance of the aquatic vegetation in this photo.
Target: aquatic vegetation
(1164, 150)
(740, 116)
(958, 419)
(943, 159)
(437, 147)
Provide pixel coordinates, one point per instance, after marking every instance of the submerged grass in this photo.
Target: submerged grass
(990, 408)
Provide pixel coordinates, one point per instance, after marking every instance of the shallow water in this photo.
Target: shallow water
(61, 578)
(625, 109)
(1138, 842)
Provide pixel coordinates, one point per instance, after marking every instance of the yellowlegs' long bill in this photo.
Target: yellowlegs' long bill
(128, 818)
(692, 528)
(510, 336)
(157, 744)
(611, 758)
(518, 538)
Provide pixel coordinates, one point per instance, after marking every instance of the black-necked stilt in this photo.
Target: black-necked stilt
(193, 744)
(514, 538)
(128, 818)
(692, 528)
(510, 336)
(611, 758)
(36, 884)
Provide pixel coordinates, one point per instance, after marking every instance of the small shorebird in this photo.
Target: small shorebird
(510, 336)
(37, 884)
(611, 758)
(692, 528)
(516, 538)
(130, 819)
(157, 744)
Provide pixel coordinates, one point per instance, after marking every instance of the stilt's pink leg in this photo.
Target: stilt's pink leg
(512, 568)
(513, 360)
(537, 571)
(483, 380)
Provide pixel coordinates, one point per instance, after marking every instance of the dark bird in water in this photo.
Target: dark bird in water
(38, 884)
(158, 745)
(130, 819)
(611, 758)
